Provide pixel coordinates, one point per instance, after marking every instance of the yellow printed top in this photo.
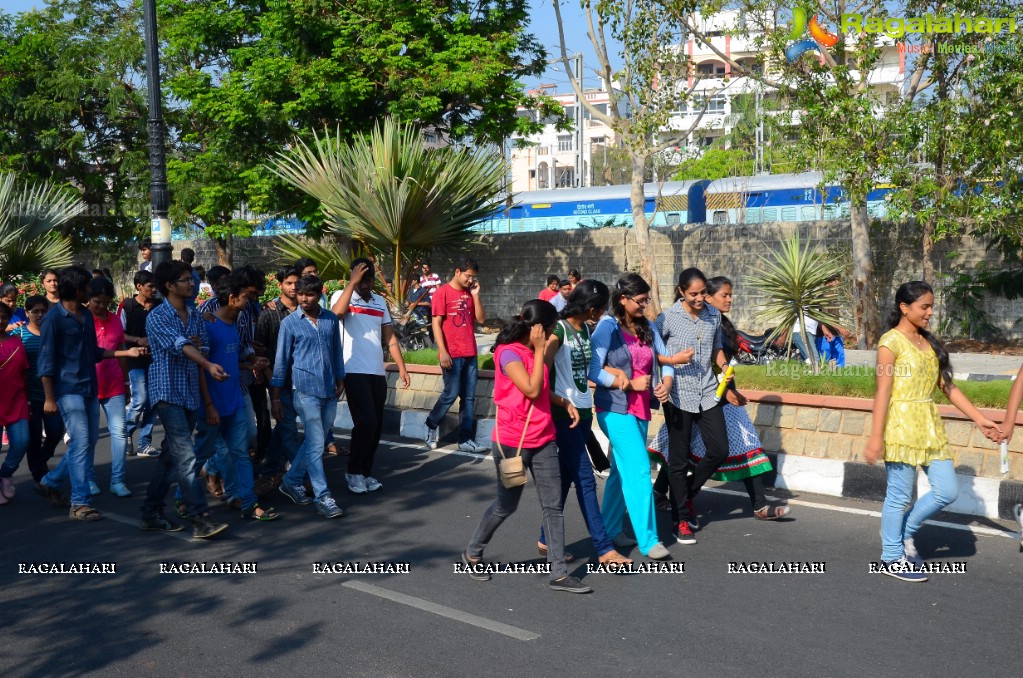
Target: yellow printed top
(913, 432)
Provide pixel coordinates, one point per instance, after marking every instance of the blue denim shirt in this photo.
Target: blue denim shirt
(68, 352)
(312, 352)
(609, 349)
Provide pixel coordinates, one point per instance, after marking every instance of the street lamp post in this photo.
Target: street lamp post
(159, 197)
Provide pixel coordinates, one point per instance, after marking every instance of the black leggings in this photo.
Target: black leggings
(680, 436)
(754, 488)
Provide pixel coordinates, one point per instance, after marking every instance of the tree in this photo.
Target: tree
(72, 112)
(391, 194)
(716, 163)
(30, 222)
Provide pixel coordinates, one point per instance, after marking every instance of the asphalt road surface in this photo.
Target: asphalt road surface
(284, 619)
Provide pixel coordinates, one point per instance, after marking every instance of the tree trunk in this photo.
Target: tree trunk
(864, 310)
(928, 250)
(224, 248)
(647, 265)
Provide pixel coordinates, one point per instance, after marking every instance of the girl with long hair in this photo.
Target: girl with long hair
(569, 353)
(524, 425)
(626, 342)
(907, 430)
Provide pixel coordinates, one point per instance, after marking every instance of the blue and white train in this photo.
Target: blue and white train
(736, 200)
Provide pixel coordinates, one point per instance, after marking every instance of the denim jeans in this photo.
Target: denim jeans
(317, 416)
(17, 439)
(896, 524)
(41, 450)
(284, 440)
(113, 408)
(81, 419)
(176, 462)
(577, 469)
(232, 433)
(459, 382)
(832, 350)
(797, 341)
(628, 485)
(140, 415)
(543, 464)
(220, 462)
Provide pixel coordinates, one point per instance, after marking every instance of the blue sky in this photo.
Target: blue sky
(542, 24)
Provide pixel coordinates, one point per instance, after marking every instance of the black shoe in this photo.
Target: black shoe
(130, 449)
(203, 527)
(159, 523)
(477, 568)
(569, 584)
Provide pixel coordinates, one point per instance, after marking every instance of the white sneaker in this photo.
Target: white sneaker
(473, 446)
(372, 484)
(356, 483)
(658, 552)
(94, 489)
(909, 546)
(432, 436)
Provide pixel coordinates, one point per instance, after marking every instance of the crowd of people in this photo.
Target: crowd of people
(227, 380)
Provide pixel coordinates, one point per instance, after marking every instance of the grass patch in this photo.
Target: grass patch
(428, 356)
(853, 382)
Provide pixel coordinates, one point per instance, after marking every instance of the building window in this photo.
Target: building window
(720, 217)
(599, 141)
(542, 176)
(566, 177)
(716, 105)
(565, 142)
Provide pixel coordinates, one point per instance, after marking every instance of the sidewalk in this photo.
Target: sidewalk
(965, 366)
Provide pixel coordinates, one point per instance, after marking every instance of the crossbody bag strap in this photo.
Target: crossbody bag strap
(497, 437)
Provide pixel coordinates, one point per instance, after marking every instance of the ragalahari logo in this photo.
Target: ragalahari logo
(819, 39)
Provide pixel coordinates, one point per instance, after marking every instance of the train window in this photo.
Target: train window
(770, 214)
(831, 211)
(720, 217)
(753, 215)
(809, 213)
(673, 219)
(788, 213)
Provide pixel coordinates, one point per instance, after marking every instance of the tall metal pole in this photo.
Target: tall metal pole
(159, 197)
(579, 179)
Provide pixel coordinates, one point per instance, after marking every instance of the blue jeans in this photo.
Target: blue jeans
(176, 462)
(17, 439)
(81, 419)
(140, 415)
(896, 524)
(576, 468)
(220, 462)
(232, 433)
(113, 408)
(629, 486)
(317, 416)
(459, 382)
(832, 350)
(797, 341)
(284, 440)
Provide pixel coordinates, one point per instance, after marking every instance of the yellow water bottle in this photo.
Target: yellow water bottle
(723, 386)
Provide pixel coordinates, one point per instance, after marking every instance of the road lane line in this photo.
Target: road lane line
(135, 523)
(443, 611)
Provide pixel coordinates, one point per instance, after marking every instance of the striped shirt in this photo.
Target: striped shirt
(361, 330)
(33, 384)
(173, 378)
(694, 387)
(312, 352)
(268, 328)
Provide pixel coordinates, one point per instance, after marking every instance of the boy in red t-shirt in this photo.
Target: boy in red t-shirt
(456, 310)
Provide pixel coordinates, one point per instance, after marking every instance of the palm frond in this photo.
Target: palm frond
(29, 221)
(331, 260)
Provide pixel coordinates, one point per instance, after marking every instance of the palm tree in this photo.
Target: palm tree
(391, 194)
(793, 283)
(29, 219)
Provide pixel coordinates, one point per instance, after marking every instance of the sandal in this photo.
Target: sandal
(53, 495)
(257, 512)
(330, 450)
(179, 506)
(235, 504)
(615, 558)
(214, 485)
(542, 549)
(86, 513)
(771, 512)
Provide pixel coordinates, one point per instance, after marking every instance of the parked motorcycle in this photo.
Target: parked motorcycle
(754, 349)
(413, 333)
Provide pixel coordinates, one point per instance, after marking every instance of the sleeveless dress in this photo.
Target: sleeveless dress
(913, 432)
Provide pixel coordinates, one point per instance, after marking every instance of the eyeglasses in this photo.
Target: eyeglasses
(639, 302)
(185, 281)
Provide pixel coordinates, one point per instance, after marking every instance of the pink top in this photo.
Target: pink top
(109, 337)
(642, 364)
(13, 366)
(513, 406)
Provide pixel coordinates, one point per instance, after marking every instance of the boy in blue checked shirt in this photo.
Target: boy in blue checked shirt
(309, 344)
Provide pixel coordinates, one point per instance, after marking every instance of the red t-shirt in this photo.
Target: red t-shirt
(458, 311)
(110, 337)
(13, 366)
(513, 406)
(547, 294)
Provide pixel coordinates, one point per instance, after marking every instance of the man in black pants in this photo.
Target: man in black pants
(364, 321)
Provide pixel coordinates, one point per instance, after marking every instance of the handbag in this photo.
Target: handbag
(511, 469)
(598, 459)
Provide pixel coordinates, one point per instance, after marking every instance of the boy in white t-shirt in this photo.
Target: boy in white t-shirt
(365, 320)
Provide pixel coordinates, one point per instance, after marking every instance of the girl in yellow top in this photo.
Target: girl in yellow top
(907, 430)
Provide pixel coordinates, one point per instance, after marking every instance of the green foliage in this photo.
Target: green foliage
(793, 283)
(963, 314)
(391, 194)
(716, 163)
(428, 356)
(30, 221)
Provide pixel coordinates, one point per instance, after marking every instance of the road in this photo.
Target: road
(286, 620)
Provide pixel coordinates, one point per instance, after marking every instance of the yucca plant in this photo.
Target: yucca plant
(29, 219)
(794, 282)
(331, 260)
(389, 193)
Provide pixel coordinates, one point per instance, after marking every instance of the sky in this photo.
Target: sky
(542, 24)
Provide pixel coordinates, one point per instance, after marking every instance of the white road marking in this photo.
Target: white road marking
(443, 611)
